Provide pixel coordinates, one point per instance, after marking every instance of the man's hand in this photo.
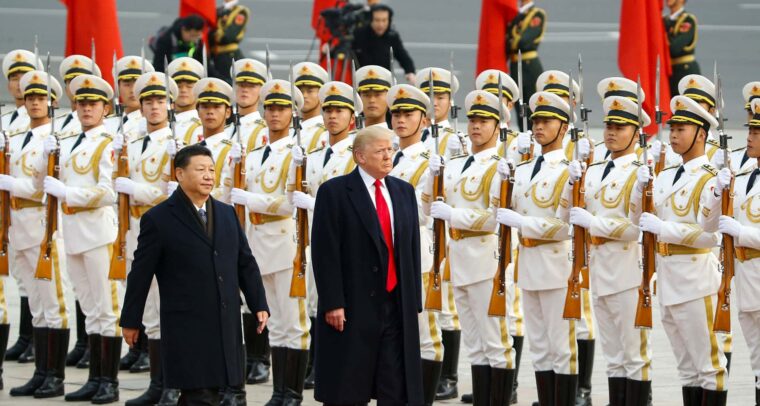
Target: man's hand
(263, 317)
(130, 335)
(336, 318)
(410, 77)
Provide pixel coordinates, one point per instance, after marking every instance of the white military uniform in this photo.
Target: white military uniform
(252, 131)
(220, 145)
(188, 128)
(313, 133)
(68, 124)
(18, 124)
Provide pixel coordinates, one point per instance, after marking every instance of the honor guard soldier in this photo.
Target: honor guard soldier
(27, 171)
(615, 252)
(621, 87)
(71, 67)
(471, 190)
(687, 269)
(681, 29)
(214, 108)
(149, 155)
(250, 77)
(128, 69)
(186, 72)
(373, 85)
(327, 161)
(750, 92)
(739, 158)
(271, 234)
(231, 19)
(488, 80)
(524, 35)
(744, 228)
(555, 82)
(445, 85)
(89, 229)
(309, 78)
(543, 252)
(15, 64)
(409, 106)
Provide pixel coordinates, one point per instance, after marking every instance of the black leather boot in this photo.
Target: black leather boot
(169, 397)
(564, 389)
(5, 331)
(126, 362)
(714, 398)
(84, 362)
(545, 387)
(447, 384)
(585, 369)
(57, 344)
(308, 383)
(142, 364)
(637, 392)
(617, 391)
(728, 362)
(279, 367)
(76, 353)
(692, 395)
(233, 397)
(502, 382)
(517, 344)
(481, 384)
(40, 340)
(294, 376)
(88, 390)
(431, 372)
(152, 395)
(24, 339)
(108, 391)
(257, 346)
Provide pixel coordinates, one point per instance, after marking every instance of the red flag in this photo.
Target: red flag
(88, 19)
(642, 40)
(495, 16)
(321, 31)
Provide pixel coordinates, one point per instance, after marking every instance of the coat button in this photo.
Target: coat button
(374, 269)
(221, 279)
(372, 294)
(216, 253)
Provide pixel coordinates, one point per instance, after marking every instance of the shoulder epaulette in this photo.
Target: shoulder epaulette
(350, 148)
(449, 130)
(495, 157)
(597, 163)
(739, 149)
(17, 132)
(747, 172)
(226, 141)
(321, 125)
(68, 135)
(316, 149)
(195, 119)
(670, 167)
(62, 115)
(106, 135)
(713, 142)
(637, 163)
(137, 139)
(526, 162)
(711, 169)
(565, 161)
(425, 155)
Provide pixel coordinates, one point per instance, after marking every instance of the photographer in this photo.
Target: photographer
(372, 43)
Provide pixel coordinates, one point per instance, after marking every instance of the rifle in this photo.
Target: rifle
(170, 117)
(658, 116)
(298, 281)
(329, 62)
(497, 307)
(238, 170)
(393, 73)
(45, 260)
(643, 317)
(522, 108)
(722, 323)
(118, 269)
(585, 280)
(5, 203)
(572, 310)
(454, 109)
(358, 118)
(433, 299)
(269, 70)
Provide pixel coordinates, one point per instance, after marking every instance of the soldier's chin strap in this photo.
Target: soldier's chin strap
(694, 141)
(627, 146)
(555, 137)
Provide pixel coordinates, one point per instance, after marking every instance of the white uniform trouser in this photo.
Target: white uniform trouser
(46, 297)
(98, 296)
(584, 328)
(152, 311)
(15, 273)
(698, 350)
(486, 338)
(431, 346)
(3, 302)
(515, 306)
(750, 323)
(448, 318)
(289, 322)
(626, 348)
(553, 345)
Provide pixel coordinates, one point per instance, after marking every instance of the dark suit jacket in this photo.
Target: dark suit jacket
(350, 261)
(200, 280)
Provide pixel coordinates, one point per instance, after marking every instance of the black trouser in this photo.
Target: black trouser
(390, 376)
(679, 71)
(199, 397)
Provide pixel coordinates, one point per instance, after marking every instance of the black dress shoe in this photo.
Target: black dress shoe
(142, 364)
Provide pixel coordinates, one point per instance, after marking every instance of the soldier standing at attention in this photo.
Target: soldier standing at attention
(231, 19)
(524, 34)
(681, 28)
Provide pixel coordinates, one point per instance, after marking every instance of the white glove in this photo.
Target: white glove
(454, 145)
(303, 201)
(171, 186)
(54, 187)
(2, 142)
(503, 167)
(118, 143)
(435, 163)
(643, 175)
(727, 225)
(49, 145)
(171, 148)
(584, 148)
(124, 185)
(298, 156)
(6, 181)
(575, 169)
(581, 217)
(440, 210)
(524, 142)
(239, 196)
(723, 180)
(509, 218)
(396, 143)
(236, 152)
(654, 151)
(719, 159)
(650, 223)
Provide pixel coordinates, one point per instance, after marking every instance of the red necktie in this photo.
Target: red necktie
(385, 224)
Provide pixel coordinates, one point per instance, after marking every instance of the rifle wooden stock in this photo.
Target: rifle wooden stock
(660, 161)
(643, 317)
(238, 181)
(433, 298)
(526, 156)
(572, 310)
(497, 307)
(5, 212)
(722, 323)
(118, 269)
(45, 260)
(298, 281)
(585, 278)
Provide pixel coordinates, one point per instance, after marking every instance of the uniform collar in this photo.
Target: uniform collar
(134, 115)
(556, 155)
(250, 117)
(675, 15)
(624, 160)
(346, 142)
(443, 124)
(186, 115)
(216, 138)
(229, 5)
(695, 164)
(160, 134)
(415, 149)
(312, 121)
(282, 142)
(382, 124)
(41, 131)
(21, 110)
(485, 154)
(95, 131)
(526, 7)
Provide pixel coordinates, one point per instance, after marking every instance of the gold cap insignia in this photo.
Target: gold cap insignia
(371, 74)
(541, 101)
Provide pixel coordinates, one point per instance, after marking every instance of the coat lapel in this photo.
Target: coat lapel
(359, 197)
(183, 213)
